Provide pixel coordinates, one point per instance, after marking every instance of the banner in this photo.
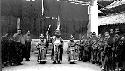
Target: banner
(42, 8)
(18, 23)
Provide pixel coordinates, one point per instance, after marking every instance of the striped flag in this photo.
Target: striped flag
(47, 33)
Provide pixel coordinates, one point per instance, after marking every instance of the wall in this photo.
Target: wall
(74, 18)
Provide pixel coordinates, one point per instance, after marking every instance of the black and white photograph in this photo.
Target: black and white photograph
(62, 35)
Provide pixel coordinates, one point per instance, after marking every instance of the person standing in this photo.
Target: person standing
(81, 49)
(58, 39)
(41, 46)
(18, 46)
(71, 43)
(122, 46)
(27, 48)
(5, 51)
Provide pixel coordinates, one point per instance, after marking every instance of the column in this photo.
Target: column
(93, 18)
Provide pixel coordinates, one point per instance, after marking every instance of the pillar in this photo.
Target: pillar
(93, 17)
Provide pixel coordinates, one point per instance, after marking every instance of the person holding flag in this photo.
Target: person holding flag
(58, 45)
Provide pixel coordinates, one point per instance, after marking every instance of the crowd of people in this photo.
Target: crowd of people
(15, 48)
(106, 50)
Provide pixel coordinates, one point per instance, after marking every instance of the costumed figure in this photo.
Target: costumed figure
(57, 50)
(42, 50)
(72, 51)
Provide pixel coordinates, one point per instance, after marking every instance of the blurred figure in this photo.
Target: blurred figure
(42, 50)
(19, 45)
(27, 49)
(5, 46)
(117, 31)
(71, 43)
(116, 51)
(81, 48)
(58, 47)
(93, 48)
(111, 32)
(100, 49)
(122, 46)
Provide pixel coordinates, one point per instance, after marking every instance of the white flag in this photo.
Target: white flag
(18, 23)
(47, 33)
(42, 8)
(58, 23)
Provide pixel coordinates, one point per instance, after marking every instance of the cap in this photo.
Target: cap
(41, 36)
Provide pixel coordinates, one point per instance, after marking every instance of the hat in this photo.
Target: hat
(41, 36)
(71, 37)
(28, 31)
(93, 33)
(19, 29)
(122, 38)
(57, 32)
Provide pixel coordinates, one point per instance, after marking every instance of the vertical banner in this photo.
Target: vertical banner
(42, 8)
(58, 23)
(18, 23)
(47, 33)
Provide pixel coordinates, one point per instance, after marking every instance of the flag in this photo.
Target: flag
(42, 8)
(48, 30)
(18, 23)
(58, 23)
(49, 27)
(47, 33)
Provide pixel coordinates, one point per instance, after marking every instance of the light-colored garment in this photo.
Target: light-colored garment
(41, 43)
(17, 37)
(23, 40)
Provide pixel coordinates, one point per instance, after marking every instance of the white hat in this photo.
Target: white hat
(71, 37)
(41, 35)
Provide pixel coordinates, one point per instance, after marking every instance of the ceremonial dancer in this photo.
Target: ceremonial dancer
(72, 58)
(42, 50)
(57, 50)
